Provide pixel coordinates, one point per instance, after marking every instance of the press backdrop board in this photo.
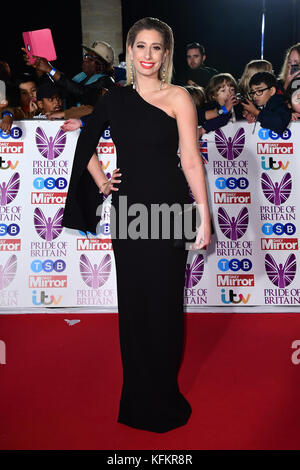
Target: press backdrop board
(252, 177)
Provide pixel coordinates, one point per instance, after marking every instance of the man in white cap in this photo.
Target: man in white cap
(95, 78)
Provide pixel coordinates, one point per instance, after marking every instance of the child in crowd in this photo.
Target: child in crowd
(221, 99)
(197, 93)
(48, 100)
(293, 96)
(26, 87)
(268, 106)
(253, 67)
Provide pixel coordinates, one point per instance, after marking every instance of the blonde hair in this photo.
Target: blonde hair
(284, 70)
(168, 41)
(216, 82)
(253, 67)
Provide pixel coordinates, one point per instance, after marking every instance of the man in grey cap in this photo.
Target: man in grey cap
(96, 76)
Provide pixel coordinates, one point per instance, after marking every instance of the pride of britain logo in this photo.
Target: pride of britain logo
(233, 227)
(276, 193)
(50, 147)
(8, 271)
(281, 275)
(230, 148)
(9, 191)
(96, 275)
(48, 228)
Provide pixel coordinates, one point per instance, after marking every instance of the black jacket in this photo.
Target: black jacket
(217, 122)
(83, 94)
(275, 115)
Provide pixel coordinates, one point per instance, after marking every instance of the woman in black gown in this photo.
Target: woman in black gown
(147, 119)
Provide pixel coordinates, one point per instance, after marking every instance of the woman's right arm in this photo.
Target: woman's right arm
(96, 171)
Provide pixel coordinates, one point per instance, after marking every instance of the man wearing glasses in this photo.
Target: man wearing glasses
(95, 78)
(267, 103)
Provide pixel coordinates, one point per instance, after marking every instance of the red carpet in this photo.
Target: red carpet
(61, 384)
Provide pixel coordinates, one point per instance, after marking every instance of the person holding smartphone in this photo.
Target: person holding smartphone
(291, 65)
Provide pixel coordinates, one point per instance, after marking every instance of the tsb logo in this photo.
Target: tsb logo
(48, 266)
(265, 134)
(106, 134)
(279, 229)
(234, 265)
(12, 230)
(15, 133)
(50, 183)
(232, 183)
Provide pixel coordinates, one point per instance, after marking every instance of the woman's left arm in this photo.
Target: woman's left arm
(191, 161)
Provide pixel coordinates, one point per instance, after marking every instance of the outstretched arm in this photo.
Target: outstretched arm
(191, 161)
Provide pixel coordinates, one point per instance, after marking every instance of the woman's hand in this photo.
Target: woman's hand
(203, 237)
(291, 77)
(108, 187)
(71, 125)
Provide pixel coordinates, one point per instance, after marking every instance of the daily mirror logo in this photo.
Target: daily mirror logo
(275, 148)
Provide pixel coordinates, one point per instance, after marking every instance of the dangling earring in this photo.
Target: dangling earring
(132, 75)
(163, 76)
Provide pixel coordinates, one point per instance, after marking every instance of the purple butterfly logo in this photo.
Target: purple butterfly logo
(8, 271)
(280, 275)
(230, 148)
(48, 147)
(97, 275)
(276, 193)
(9, 191)
(233, 228)
(48, 229)
(194, 271)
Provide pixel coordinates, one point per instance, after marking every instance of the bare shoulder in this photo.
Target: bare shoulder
(179, 93)
(180, 100)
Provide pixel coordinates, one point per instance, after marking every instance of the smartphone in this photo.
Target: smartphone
(2, 92)
(294, 68)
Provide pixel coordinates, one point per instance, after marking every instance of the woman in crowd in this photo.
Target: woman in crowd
(291, 65)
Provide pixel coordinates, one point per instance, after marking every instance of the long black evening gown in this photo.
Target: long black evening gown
(150, 272)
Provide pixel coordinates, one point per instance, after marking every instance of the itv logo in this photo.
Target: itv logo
(233, 298)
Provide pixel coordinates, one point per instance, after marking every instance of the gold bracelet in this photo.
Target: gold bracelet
(100, 190)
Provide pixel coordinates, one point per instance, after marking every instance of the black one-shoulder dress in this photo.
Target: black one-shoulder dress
(150, 271)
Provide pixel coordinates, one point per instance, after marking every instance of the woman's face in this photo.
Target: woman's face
(294, 59)
(148, 53)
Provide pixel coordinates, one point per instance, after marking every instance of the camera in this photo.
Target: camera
(241, 98)
(294, 68)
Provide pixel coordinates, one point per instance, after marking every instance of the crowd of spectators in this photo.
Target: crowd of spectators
(43, 92)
